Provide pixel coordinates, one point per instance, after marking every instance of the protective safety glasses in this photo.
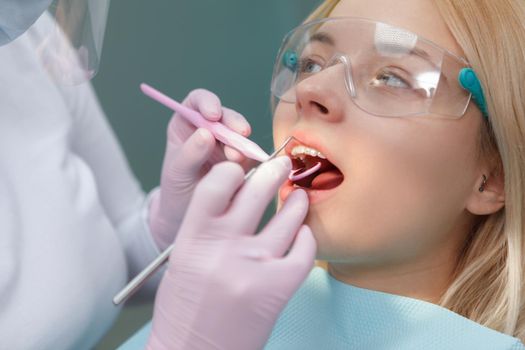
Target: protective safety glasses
(71, 50)
(387, 71)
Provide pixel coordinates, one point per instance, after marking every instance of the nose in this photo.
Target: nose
(322, 95)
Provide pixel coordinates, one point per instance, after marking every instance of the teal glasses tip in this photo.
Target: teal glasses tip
(290, 60)
(470, 82)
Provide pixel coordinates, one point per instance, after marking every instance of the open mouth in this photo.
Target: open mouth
(312, 170)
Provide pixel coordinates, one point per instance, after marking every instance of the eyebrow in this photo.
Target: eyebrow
(421, 53)
(424, 55)
(322, 37)
(325, 38)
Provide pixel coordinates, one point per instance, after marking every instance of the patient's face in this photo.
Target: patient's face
(393, 189)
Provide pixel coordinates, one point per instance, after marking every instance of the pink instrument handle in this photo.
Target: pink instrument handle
(222, 133)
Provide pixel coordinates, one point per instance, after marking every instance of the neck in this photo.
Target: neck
(420, 280)
(424, 276)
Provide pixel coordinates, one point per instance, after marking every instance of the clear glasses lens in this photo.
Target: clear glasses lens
(387, 71)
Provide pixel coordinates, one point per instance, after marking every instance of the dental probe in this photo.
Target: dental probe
(143, 276)
(221, 132)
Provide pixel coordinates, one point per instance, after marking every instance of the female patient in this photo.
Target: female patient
(414, 112)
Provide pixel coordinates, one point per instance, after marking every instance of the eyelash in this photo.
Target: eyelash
(386, 73)
(305, 62)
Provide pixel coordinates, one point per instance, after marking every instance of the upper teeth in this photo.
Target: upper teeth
(303, 150)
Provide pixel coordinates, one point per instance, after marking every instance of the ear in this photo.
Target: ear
(492, 198)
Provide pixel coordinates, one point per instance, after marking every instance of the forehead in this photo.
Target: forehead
(419, 16)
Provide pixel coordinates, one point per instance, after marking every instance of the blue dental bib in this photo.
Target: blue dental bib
(328, 314)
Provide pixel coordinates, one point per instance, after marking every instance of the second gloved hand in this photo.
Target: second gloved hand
(225, 286)
(189, 155)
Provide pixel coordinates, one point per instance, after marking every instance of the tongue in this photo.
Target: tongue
(327, 180)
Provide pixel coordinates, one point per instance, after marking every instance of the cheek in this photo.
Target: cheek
(405, 189)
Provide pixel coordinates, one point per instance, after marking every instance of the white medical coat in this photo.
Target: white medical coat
(72, 215)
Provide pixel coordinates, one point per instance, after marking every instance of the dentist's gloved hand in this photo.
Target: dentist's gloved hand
(190, 153)
(225, 286)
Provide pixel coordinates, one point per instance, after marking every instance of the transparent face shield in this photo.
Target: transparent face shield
(71, 50)
(387, 71)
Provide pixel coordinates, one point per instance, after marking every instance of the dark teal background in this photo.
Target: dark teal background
(225, 46)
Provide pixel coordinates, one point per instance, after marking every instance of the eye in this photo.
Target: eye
(309, 65)
(390, 79)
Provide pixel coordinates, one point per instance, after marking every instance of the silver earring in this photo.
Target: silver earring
(482, 187)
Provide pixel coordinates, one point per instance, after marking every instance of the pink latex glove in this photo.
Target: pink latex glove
(189, 155)
(225, 286)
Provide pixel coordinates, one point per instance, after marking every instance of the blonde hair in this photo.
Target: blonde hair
(488, 284)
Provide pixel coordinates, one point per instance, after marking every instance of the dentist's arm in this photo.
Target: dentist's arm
(119, 193)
